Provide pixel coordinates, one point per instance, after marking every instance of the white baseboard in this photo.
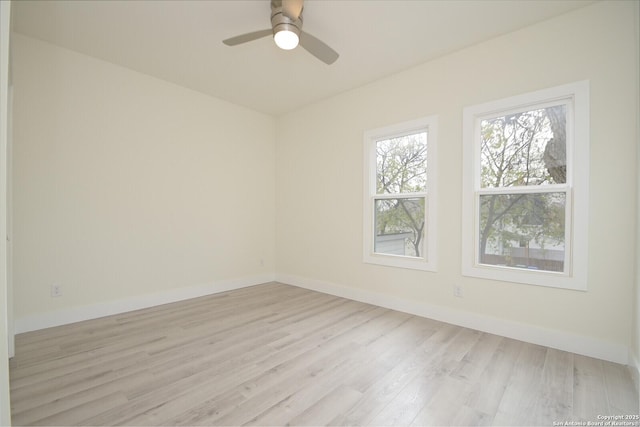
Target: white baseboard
(553, 338)
(94, 311)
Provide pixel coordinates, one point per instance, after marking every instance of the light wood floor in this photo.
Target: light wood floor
(276, 354)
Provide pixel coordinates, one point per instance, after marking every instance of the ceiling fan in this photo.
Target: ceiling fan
(286, 27)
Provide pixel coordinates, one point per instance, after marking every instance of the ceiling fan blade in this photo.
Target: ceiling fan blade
(318, 48)
(292, 8)
(247, 37)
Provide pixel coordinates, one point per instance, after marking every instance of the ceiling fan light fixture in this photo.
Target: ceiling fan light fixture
(286, 28)
(286, 39)
(286, 31)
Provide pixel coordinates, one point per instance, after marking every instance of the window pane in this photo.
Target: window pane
(526, 148)
(400, 226)
(523, 230)
(401, 164)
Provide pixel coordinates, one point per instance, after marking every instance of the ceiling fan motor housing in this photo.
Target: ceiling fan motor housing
(281, 22)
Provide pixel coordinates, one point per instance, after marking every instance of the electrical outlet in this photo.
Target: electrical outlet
(457, 291)
(56, 291)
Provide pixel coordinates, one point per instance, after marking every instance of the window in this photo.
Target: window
(399, 218)
(525, 196)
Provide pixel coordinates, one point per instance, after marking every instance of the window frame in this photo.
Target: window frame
(576, 97)
(428, 262)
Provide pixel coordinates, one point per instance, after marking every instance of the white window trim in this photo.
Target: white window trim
(429, 263)
(577, 221)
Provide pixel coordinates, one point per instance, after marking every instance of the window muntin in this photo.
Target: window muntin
(526, 188)
(399, 183)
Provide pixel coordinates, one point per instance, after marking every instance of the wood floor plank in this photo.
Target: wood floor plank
(68, 402)
(66, 387)
(555, 402)
(474, 362)
(487, 392)
(261, 395)
(265, 361)
(275, 354)
(328, 407)
(520, 399)
(388, 346)
(387, 386)
(444, 405)
(407, 404)
(589, 391)
(620, 391)
(293, 396)
(75, 414)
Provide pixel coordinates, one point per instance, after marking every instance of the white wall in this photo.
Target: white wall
(319, 183)
(126, 186)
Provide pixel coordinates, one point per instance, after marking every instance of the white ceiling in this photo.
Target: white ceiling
(181, 41)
